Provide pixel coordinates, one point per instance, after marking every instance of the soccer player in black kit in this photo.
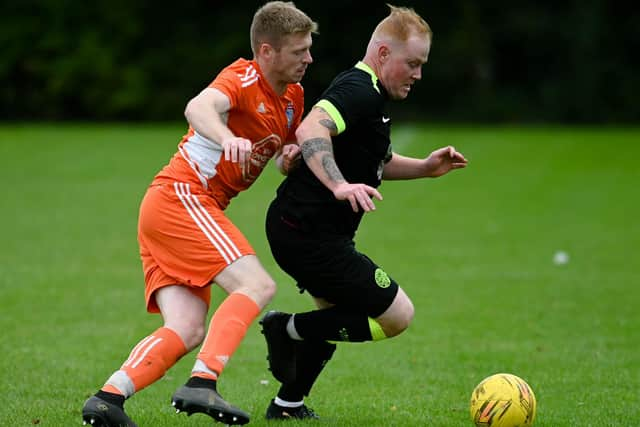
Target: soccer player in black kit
(346, 150)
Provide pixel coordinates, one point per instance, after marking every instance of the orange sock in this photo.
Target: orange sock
(147, 363)
(228, 326)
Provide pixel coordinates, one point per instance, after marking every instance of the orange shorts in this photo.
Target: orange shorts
(185, 238)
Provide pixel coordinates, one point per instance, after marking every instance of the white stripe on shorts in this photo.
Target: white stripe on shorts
(207, 224)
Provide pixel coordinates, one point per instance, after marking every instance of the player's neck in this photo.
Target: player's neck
(373, 64)
(277, 85)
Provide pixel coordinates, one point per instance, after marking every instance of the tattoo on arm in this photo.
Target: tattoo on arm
(329, 124)
(315, 145)
(312, 146)
(331, 168)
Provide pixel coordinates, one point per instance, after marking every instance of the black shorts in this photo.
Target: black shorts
(328, 266)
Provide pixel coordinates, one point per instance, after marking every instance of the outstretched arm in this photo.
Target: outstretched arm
(314, 136)
(437, 164)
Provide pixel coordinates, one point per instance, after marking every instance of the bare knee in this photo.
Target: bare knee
(192, 331)
(397, 318)
(265, 290)
(184, 313)
(260, 290)
(398, 324)
(247, 276)
(270, 291)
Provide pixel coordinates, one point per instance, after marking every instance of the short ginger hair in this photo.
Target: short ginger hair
(277, 19)
(401, 24)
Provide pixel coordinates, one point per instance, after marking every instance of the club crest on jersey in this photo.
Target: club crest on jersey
(261, 152)
(289, 112)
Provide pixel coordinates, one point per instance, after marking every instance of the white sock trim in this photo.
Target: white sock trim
(200, 366)
(122, 382)
(291, 329)
(287, 404)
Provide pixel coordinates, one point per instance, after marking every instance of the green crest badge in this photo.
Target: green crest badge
(382, 279)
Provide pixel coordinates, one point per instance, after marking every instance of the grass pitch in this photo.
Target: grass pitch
(473, 249)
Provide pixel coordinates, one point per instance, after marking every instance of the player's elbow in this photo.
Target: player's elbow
(199, 109)
(190, 110)
(303, 133)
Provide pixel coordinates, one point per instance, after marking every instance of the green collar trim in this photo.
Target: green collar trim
(364, 67)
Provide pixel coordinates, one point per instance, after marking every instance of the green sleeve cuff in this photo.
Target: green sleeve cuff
(333, 113)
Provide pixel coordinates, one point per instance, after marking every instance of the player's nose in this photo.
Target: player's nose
(417, 75)
(308, 59)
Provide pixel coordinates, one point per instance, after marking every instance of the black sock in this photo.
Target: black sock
(113, 398)
(311, 358)
(290, 393)
(333, 324)
(197, 382)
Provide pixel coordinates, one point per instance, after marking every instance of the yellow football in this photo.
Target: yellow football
(503, 400)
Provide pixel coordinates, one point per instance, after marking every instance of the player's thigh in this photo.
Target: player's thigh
(178, 304)
(341, 275)
(329, 267)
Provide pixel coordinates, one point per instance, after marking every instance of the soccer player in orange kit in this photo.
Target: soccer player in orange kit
(245, 117)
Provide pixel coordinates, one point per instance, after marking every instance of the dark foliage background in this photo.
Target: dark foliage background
(497, 61)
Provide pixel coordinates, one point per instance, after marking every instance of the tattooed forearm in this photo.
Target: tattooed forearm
(329, 124)
(313, 146)
(331, 168)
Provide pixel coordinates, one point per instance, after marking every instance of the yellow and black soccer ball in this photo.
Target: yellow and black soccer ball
(503, 400)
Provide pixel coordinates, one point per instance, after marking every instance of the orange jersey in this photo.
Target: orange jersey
(258, 114)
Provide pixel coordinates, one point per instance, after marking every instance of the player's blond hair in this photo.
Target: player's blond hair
(277, 19)
(401, 24)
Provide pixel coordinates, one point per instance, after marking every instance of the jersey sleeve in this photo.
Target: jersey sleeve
(348, 101)
(228, 83)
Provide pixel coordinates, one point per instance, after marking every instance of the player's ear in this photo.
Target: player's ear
(384, 52)
(266, 50)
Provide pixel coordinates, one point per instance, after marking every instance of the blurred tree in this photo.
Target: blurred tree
(543, 61)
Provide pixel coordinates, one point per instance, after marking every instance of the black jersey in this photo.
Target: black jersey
(356, 102)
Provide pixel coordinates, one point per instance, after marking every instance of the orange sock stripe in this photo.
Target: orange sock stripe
(153, 356)
(228, 327)
(204, 375)
(111, 389)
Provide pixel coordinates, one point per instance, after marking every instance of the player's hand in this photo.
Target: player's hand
(359, 195)
(290, 157)
(444, 160)
(237, 150)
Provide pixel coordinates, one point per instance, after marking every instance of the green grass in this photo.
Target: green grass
(474, 251)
